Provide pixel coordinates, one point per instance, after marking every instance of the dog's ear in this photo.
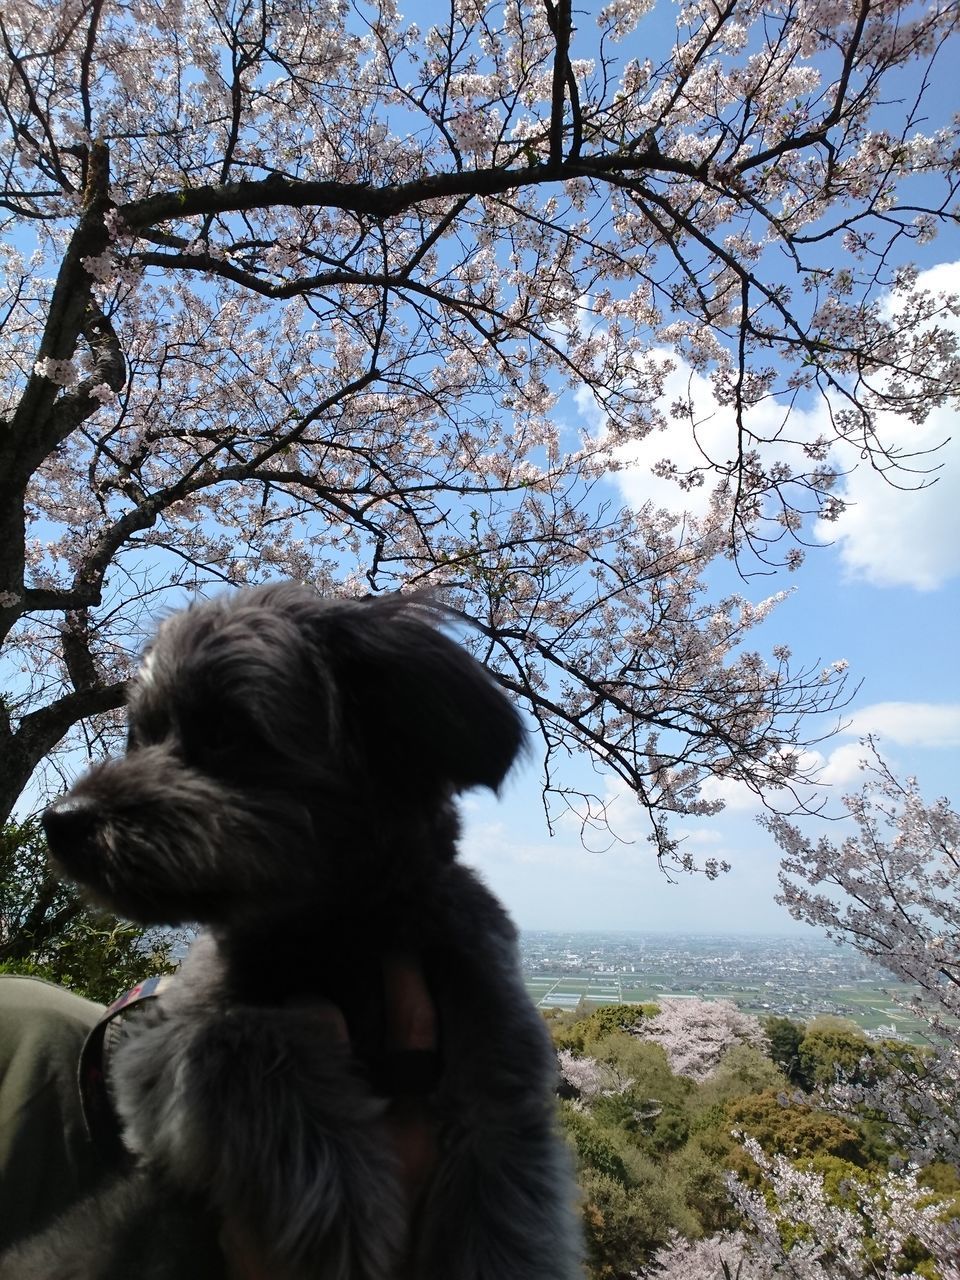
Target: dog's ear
(429, 712)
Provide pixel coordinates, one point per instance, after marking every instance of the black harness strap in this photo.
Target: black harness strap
(100, 1117)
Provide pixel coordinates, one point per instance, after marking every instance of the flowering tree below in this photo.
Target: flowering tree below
(590, 1079)
(696, 1034)
(891, 891)
(299, 289)
(796, 1229)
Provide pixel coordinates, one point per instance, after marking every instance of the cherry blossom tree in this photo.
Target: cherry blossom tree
(803, 1232)
(891, 889)
(589, 1078)
(304, 288)
(697, 1033)
(888, 888)
(795, 1228)
(728, 1255)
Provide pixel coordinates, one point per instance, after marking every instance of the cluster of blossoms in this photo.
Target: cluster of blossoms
(795, 1230)
(589, 1078)
(890, 890)
(62, 372)
(696, 1033)
(802, 1231)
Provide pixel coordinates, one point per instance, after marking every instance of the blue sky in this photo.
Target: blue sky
(884, 595)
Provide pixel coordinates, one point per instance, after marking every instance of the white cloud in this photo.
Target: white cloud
(895, 538)
(636, 480)
(905, 724)
(628, 819)
(909, 724)
(843, 765)
(488, 843)
(889, 537)
(706, 836)
(685, 444)
(943, 278)
(837, 769)
(734, 794)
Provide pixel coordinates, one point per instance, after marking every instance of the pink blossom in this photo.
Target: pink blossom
(62, 372)
(890, 890)
(325, 310)
(697, 1033)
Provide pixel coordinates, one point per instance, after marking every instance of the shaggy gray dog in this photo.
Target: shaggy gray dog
(289, 781)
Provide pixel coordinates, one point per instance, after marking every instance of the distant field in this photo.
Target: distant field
(869, 1007)
(562, 993)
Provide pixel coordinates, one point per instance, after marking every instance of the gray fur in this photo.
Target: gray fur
(289, 782)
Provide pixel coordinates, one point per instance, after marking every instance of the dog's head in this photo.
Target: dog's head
(272, 734)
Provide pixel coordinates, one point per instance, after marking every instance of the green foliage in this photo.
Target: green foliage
(743, 1070)
(654, 1155)
(943, 1182)
(707, 1121)
(910, 1060)
(670, 1130)
(617, 1111)
(879, 1140)
(566, 1026)
(625, 1224)
(833, 1048)
(833, 1022)
(48, 931)
(616, 1017)
(646, 1065)
(597, 1146)
(578, 1028)
(942, 1179)
(701, 1178)
(785, 1038)
(780, 1125)
(842, 1180)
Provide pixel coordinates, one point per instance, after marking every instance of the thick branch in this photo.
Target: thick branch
(41, 730)
(68, 314)
(392, 199)
(75, 643)
(558, 18)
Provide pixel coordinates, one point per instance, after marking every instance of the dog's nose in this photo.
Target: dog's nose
(69, 825)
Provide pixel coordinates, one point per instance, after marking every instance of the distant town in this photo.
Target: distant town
(794, 976)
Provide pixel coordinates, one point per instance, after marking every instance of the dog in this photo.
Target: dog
(289, 783)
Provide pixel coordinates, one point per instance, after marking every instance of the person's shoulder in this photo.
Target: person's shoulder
(26, 1001)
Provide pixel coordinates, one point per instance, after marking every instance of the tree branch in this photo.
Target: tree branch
(67, 316)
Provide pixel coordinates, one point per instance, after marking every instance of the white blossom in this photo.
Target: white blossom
(892, 891)
(697, 1033)
(62, 372)
(323, 313)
